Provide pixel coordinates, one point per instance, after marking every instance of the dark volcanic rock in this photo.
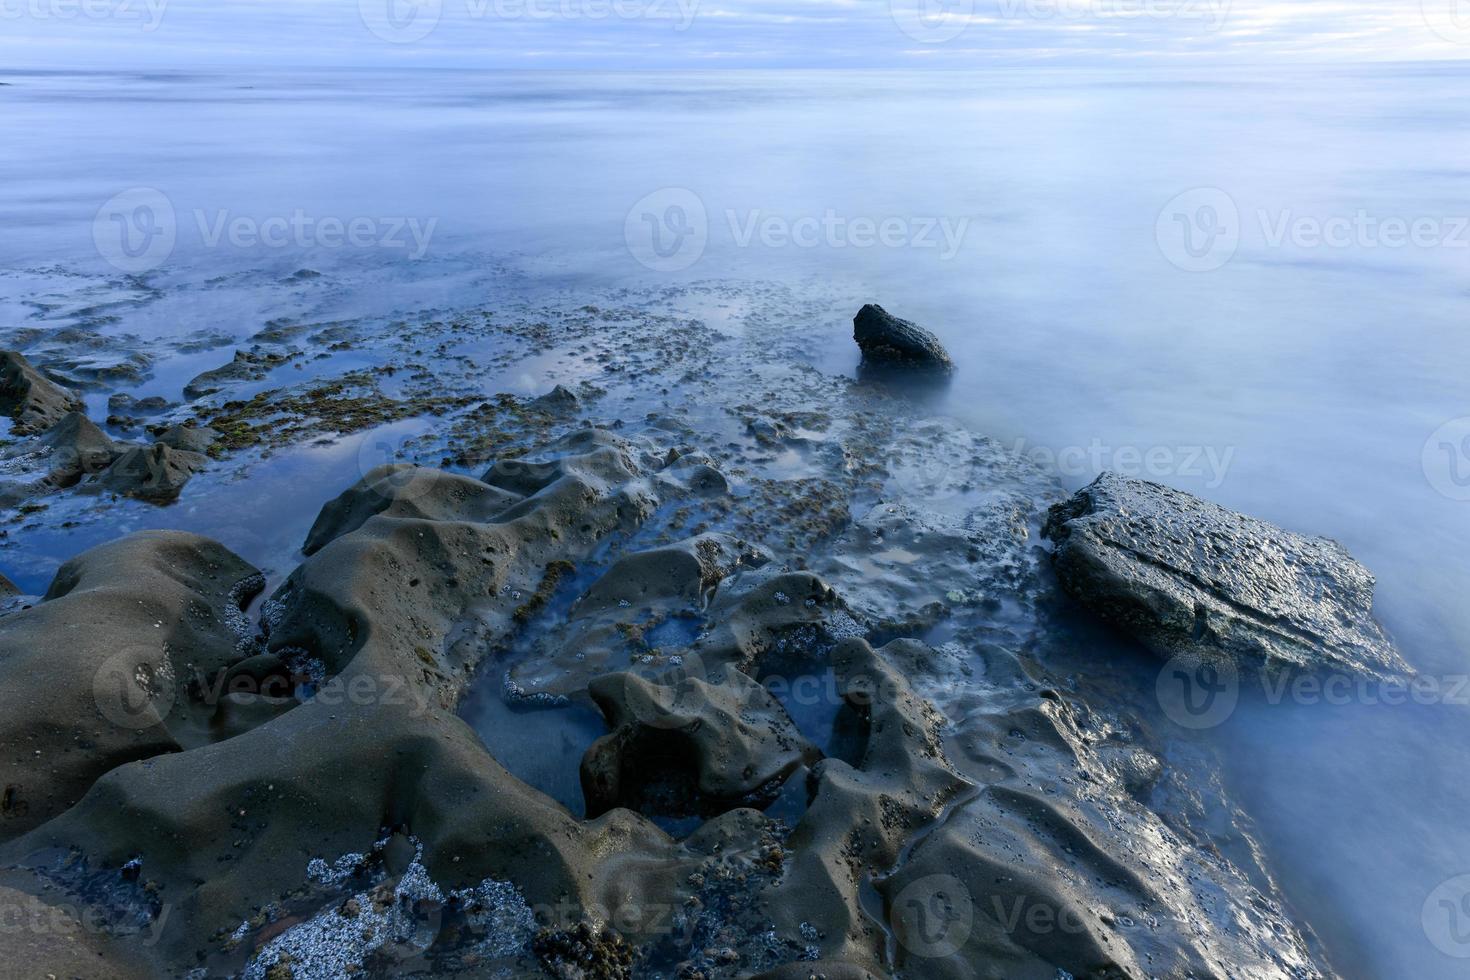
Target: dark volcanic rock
(246, 366)
(1186, 576)
(190, 438)
(78, 448)
(29, 397)
(560, 399)
(155, 473)
(887, 340)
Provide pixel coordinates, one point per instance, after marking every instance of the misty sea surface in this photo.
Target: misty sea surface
(1121, 262)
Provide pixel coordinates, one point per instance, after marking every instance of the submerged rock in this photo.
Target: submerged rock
(1188, 577)
(246, 366)
(887, 340)
(29, 397)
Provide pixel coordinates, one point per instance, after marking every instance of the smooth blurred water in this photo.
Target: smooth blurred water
(1303, 383)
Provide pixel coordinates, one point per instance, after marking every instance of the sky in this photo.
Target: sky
(623, 34)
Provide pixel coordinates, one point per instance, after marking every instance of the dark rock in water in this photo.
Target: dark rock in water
(8, 589)
(557, 400)
(29, 397)
(710, 747)
(887, 340)
(94, 368)
(247, 366)
(154, 473)
(78, 448)
(190, 438)
(152, 405)
(1188, 577)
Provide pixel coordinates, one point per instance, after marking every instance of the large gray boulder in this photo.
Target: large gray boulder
(889, 341)
(1188, 577)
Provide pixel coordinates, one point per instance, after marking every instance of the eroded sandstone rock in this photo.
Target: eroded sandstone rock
(106, 670)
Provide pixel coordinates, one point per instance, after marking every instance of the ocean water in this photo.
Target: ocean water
(1253, 285)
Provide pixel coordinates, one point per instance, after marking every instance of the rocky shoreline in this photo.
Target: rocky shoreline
(810, 624)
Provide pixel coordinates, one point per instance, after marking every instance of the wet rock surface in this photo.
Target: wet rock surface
(30, 398)
(156, 473)
(722, 667)
(888, 340)
(1189, 578)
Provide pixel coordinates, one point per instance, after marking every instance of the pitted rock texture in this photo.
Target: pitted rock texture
(709, 747)
(324, 807)
(112, 665)
(1188, 577)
